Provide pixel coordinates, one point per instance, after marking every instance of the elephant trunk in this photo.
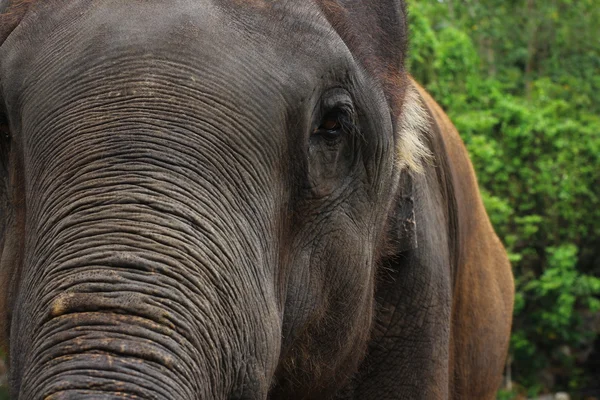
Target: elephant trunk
(122, 324)
(143, 278)
(105, 354)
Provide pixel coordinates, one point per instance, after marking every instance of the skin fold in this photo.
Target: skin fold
(229, 199)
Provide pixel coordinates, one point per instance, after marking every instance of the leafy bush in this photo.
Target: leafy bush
(529, 118)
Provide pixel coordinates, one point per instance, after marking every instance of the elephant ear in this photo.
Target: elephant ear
(376, 34)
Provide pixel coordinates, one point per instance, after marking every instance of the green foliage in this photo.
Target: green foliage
(519, 79)
(505, 395)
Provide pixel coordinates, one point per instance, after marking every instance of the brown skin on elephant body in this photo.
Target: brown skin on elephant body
(238, 200)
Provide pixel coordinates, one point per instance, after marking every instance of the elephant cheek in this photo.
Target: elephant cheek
(326, 325)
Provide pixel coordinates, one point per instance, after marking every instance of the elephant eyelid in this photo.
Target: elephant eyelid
(335, 123)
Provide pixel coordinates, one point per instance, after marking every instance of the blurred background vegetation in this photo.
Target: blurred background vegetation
(521, 81)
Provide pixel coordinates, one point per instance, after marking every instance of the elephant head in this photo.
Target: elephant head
(201, 199)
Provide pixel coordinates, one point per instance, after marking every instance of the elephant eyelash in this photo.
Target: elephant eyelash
(335, 123)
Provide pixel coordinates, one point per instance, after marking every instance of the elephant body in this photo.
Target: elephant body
(237, 199)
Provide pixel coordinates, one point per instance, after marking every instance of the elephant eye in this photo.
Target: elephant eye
(331, 123)
(334, 124)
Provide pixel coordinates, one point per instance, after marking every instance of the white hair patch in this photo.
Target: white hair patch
(412, 151)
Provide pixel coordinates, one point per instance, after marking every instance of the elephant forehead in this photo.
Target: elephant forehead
(290, 43)
(287, 27)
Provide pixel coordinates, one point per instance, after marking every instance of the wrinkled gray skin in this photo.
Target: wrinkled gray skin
(180, 224)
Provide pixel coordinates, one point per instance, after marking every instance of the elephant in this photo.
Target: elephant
(237, 199)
